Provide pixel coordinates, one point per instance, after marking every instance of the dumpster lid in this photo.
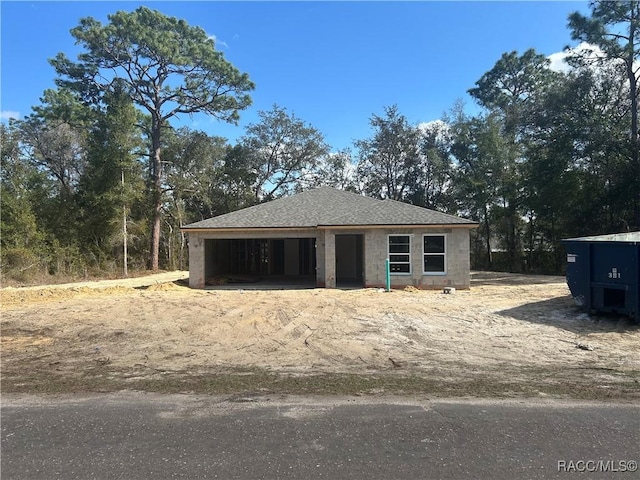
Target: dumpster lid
(629, 237)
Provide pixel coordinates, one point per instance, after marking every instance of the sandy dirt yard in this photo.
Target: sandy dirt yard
(508, 335)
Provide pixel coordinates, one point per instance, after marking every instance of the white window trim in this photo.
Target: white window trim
(410, 262)
(432, 254)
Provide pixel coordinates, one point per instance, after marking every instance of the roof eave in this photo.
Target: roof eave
(400, 225)
(242, 229)
(329, 227)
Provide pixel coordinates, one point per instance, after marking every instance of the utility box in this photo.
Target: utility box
(603, 272)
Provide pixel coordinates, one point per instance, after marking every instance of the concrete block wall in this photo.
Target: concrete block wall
(329, 253)
(321, 259)
(375, 244)
(200, 250)
(457, 262)
(196, 261)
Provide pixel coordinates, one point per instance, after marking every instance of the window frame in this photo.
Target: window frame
(408, 254)
(431, 254)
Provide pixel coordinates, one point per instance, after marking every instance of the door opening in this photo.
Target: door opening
(349, 261)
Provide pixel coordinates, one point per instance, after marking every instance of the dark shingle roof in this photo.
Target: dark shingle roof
(328, 207)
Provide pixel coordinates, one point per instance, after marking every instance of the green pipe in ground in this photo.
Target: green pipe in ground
(388, 269)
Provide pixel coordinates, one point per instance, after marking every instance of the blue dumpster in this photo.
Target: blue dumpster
(603, 272)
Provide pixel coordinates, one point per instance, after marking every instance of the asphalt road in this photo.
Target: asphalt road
(149, 436)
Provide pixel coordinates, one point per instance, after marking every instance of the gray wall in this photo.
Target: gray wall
(199, 250)
(375, 253)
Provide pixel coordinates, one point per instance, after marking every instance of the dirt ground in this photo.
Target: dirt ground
(519, 335)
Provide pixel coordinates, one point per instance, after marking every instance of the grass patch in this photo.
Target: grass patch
(251, 382)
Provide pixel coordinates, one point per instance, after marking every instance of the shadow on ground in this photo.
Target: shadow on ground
(510, 279)
(561, 312)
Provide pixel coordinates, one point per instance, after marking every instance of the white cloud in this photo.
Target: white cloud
(217, 42)
(439, 128)
(558, 59)
(558, 63)
(8, 114)
(437, 125)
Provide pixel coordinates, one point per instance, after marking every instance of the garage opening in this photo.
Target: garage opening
(349, 261)
(253, 260)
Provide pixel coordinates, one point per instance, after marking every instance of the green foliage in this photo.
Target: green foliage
(195, 166)
(63, 106)
(405, 162)
(56, 148)
(282, 150)
(477, 146)
(112, 179)
(550, 156)
(614, 27)
(238, 179)
(431, 188)
(512, 92)
(389, 161)
(166, 67)
(335, 170)
(20, 237)
(513, 85)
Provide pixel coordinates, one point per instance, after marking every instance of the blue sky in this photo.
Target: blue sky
(333, 64)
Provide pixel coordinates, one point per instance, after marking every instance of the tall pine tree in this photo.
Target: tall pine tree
(112, 179)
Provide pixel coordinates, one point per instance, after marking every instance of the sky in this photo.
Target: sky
(333, 64)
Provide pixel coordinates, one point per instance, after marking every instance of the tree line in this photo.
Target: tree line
(96, 180)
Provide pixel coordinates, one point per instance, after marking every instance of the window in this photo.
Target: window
(434, 254)
(400, 254)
